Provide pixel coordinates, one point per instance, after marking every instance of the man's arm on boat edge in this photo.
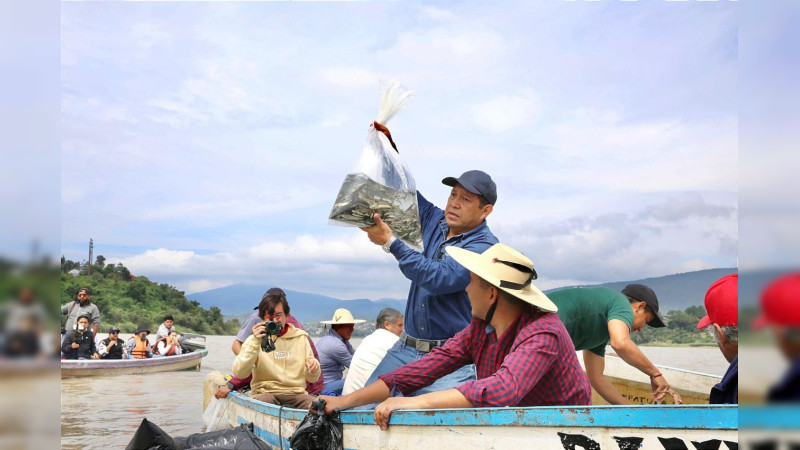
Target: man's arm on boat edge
(451, 398)
(379, 392)
(627, 350)
(374, 393)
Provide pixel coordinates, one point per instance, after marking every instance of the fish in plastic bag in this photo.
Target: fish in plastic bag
(381, 182)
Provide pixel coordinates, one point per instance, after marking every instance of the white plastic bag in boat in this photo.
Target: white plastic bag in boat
(216, 415)
(381, 182)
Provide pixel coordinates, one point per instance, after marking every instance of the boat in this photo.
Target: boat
(572, 427)
(191, 342)
(110, 367)
(695, 424)
(631, 383)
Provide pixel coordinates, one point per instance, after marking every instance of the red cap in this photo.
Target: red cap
(780, 302)
(722, 303)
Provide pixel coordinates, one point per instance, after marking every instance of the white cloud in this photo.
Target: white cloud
(448, 46)
(437, 14)
(147, 35)
(336, 120)
(694, 264)
(340, 77)
(506, 112)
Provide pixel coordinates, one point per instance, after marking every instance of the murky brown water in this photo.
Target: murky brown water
(104, 412)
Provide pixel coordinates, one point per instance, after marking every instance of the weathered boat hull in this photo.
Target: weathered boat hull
(694, 387)
(596, 427)
(100, 367)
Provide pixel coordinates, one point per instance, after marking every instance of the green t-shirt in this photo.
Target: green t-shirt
(586, 312)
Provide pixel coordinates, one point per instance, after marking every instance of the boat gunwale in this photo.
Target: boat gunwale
(687, 417)
(106, 364)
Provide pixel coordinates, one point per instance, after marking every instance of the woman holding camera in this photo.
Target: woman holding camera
(279, 357)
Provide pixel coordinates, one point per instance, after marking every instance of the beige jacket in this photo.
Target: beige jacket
(282, 371)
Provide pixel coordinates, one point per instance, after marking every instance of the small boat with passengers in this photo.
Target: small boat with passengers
(110, 367)
(193, 344)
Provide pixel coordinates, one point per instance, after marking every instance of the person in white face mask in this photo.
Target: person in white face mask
(79, 343)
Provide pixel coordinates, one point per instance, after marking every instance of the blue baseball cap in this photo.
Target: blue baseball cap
(477, 182)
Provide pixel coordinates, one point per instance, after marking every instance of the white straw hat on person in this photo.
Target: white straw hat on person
(342, 316)
(506, 268)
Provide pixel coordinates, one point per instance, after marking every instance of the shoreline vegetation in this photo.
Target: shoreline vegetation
(126, 300)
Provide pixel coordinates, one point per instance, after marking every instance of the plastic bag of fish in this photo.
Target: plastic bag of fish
(381, 182)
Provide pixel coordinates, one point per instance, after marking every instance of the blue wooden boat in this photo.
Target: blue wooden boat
(593, 427)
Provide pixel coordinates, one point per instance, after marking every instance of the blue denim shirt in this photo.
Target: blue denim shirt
(438, 306)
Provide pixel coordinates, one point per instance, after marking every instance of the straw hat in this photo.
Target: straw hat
(507, 269)
(342, 316)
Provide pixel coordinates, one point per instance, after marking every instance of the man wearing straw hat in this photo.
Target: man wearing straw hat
(437, 306)
(522, 352)
(335, 350)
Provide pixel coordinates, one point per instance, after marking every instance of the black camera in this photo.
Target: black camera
(272, 328)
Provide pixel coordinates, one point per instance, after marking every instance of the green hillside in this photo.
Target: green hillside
(127, 301)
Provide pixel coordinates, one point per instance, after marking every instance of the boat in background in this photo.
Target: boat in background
(191, 342)
(110, 367)
(586, 427)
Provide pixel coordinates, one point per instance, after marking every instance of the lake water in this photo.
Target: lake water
(104, 412)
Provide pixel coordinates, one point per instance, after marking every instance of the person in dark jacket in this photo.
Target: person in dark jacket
(722, 321)
(79, 343)
(111, 347)
(780, 307)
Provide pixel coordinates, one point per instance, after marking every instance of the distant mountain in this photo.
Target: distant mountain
(240, 299)
(678, 291)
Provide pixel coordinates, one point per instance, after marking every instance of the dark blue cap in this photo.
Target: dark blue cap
(477, 182)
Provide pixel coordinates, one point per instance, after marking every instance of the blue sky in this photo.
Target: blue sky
(203, 143)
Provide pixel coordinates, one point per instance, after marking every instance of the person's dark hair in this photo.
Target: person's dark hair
(482, 201)
(647, 307)
(168, 317)
(387, 315)
(88, 318)
(270, 301)
(86, 289)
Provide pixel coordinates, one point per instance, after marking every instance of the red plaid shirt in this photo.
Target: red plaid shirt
(532, 364)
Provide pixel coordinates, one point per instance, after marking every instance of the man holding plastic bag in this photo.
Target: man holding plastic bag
(437, 306)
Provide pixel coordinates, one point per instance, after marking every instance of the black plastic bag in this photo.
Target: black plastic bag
(150, 437)
(318, 430)
(239, 438)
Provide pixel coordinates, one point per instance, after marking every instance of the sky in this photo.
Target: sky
(203, 144)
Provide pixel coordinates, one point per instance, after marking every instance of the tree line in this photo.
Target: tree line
(681, 329)
(128, 301)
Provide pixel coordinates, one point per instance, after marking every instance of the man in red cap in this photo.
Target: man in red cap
(722, 321)
(780, 308)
